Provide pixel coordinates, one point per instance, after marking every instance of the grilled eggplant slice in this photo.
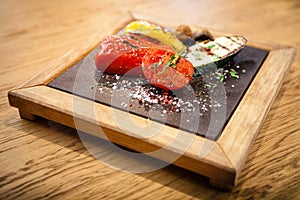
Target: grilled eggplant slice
(214, 52)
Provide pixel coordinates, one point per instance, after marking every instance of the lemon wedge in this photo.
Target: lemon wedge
(159, 33)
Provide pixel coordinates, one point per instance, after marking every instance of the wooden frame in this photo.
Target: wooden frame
(226, 156)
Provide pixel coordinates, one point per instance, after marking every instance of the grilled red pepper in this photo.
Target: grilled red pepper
(166, 69)
(123, 54)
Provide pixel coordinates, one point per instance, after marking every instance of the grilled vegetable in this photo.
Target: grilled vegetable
(123, 54)
(165, 36)
(216, 51)
(202, 35)
(167, 69)
(184, 29)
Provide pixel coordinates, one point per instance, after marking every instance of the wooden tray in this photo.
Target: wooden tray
(222, 159)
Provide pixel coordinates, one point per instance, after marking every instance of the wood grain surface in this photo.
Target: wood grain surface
(45, 160)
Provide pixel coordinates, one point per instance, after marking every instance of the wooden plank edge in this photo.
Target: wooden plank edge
(230, 133)
(56, 67)
(214, 165)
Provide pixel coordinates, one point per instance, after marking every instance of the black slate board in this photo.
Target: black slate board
(206, 106)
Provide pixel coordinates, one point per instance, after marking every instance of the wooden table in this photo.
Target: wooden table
(46, 160)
